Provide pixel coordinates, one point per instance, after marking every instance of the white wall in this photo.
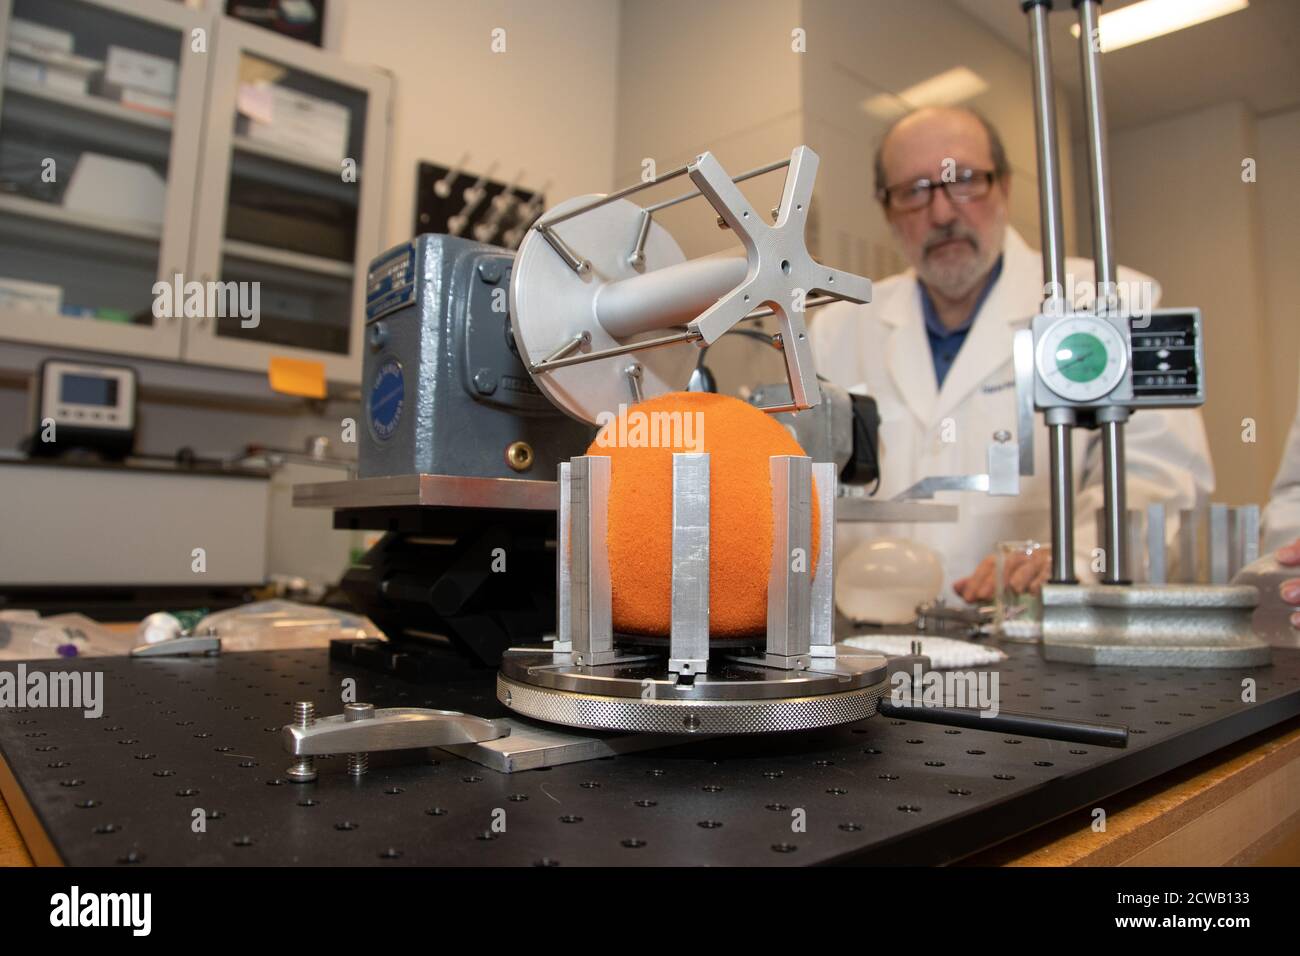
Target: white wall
(716, 75)
(545, 106)
(1183, 215)
(1277, 145)
(706, 74)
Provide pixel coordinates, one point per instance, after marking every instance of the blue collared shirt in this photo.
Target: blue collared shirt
(945, 343)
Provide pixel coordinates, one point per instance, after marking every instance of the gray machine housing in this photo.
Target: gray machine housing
(443, 388)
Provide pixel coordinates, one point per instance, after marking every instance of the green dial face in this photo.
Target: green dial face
(1081, 357)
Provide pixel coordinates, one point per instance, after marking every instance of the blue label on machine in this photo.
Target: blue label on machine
(390, 283)
(387, 394)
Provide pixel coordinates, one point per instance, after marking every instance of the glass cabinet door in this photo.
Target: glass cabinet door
(100, 118)
(291, 183)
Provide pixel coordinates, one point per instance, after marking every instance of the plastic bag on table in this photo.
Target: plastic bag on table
(26, 636)
(283, 625)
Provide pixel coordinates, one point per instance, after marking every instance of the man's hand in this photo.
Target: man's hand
(1290, 588)
(1024, 573)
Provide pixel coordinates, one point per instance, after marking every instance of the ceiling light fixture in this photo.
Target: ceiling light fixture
(1154, 18)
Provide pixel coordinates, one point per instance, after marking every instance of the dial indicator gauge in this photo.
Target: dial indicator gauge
(1082, 359)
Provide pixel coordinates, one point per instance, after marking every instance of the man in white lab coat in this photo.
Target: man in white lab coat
(934, 349)
(1282, 517)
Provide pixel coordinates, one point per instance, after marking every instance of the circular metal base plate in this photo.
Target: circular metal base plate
(735, 697)
(550, 304)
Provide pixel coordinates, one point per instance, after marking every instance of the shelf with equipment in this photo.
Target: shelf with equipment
(130, 156)
(284, 202)
(100, 120)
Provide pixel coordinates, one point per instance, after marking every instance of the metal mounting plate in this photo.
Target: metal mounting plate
(204, 732)
(429, 491)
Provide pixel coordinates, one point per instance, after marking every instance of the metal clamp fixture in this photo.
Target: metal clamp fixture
(598, 278)
(361, 730)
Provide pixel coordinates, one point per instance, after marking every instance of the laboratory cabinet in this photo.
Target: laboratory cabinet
(181, 186)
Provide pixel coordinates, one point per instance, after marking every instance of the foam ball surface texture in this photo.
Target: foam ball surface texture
(739, 440)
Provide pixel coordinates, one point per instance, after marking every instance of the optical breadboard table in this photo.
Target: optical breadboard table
(186, 766)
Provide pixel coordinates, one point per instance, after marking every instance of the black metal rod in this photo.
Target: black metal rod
(1006, 722)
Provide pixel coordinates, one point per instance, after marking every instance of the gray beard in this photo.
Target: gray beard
(953, 280)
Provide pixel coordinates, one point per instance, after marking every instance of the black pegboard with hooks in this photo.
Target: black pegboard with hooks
(185, 738)
(446, 202)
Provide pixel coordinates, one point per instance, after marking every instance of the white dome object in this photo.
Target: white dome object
(883, 580)
(160, 626)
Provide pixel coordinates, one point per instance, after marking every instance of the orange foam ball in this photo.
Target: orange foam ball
(739, 440)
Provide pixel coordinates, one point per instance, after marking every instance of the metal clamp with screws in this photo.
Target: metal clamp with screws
(361, 730)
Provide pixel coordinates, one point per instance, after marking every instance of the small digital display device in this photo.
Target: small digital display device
(83, 406)
(94, 390)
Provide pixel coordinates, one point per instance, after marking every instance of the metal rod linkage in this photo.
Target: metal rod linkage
(1062, 490)
(655, 181)
(563, 356)
(1114, 500)
(636, 258)
(1098, 169)
(634, 373)
(751, 174)
(569, 347)
(1049, 176)
(574, 261)
(549, 364)
(810, 303)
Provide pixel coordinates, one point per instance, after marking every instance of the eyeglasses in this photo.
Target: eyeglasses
(969, 185)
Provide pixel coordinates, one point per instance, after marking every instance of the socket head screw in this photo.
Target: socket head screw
(304, 768)
(358, 763)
